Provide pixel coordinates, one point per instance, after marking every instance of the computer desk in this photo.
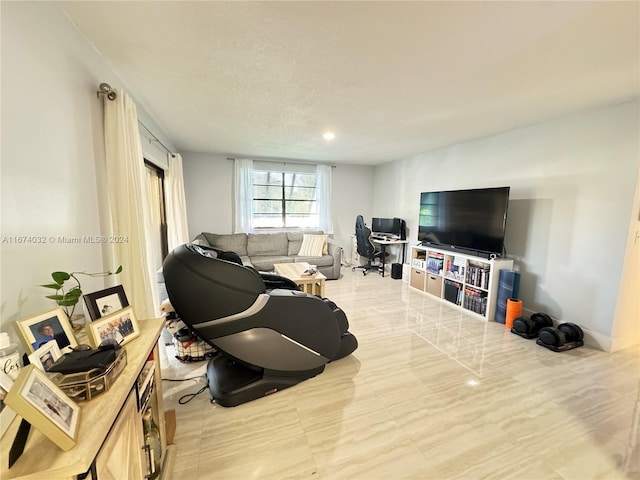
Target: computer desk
(383, 248)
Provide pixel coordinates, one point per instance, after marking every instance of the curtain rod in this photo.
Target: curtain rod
(106, 90)
(284, 162)
(156, 139)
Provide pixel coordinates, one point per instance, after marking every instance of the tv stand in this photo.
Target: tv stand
(461, 250)
(466, 280)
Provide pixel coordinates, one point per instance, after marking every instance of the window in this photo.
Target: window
(284, 199)
(271, 196)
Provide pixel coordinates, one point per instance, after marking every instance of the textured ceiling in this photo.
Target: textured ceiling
(391, 79)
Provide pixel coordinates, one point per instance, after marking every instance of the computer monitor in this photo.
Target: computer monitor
(387, 226)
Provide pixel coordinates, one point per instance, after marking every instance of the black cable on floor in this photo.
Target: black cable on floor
(191, 396)
(182, 379)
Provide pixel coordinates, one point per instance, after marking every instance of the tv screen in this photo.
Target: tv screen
(465, 219)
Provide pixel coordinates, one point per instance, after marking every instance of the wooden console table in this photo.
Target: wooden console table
(110, 435)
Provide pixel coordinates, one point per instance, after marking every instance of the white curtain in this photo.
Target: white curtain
(128, 202)
(323, 198)
(177, 229)
(243, 195)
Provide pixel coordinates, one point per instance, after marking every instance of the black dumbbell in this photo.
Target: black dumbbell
(564, 337)
(529, 327)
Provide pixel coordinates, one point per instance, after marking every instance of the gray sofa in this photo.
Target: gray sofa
(262, 250)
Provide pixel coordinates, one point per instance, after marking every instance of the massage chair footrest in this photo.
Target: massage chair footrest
(231, 383)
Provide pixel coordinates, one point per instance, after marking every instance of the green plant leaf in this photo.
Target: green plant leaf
(57, 298)
(68, 303)
(75, 293)
(60, 277)
(56, 286)
(118, 270)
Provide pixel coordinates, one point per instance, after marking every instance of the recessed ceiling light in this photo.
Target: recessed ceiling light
(329, 135)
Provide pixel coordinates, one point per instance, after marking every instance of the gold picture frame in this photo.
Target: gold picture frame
(121, 327)
(35, 334)
(45, 406)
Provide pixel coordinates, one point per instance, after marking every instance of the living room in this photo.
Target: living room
(573, 211)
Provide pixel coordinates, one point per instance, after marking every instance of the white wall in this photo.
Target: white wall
(208, 182)
(572, 188)
(51, 121)
(52, 162)
(209, 193)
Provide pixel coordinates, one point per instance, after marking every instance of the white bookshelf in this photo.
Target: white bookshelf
(465, 281)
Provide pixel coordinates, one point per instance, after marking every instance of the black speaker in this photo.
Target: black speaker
(396, 271)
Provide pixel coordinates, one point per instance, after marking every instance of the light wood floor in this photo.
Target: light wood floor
(430, 393)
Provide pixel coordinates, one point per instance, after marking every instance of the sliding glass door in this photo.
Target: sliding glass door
(158, 235)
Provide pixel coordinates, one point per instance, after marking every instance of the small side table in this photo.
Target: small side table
(308, 284)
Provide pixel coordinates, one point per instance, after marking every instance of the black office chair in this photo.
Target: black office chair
(267, 340)
(365, 247)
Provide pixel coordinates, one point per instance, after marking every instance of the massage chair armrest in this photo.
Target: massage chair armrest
(274, 281)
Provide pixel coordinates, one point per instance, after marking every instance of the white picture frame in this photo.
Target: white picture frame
(45, 356)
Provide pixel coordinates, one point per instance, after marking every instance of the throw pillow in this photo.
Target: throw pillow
(312, 245)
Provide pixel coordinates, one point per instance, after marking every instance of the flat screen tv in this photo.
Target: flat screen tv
(472, 221)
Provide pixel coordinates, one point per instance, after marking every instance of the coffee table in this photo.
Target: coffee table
(293, 271)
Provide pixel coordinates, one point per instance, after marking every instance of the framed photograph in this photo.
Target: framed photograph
(43, 328)
(40, 402)
(45, 356)
(105, 302)
(120, 326)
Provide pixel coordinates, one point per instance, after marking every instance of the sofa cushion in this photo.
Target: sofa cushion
(265, 262)
(200, 240)
(295, 241)
(313, 245)
(267, 244)
(233, 242)
(323, 261)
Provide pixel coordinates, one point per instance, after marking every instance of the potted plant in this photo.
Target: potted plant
(68, 295)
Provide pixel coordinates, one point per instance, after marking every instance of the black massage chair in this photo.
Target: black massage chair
(267, 339)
